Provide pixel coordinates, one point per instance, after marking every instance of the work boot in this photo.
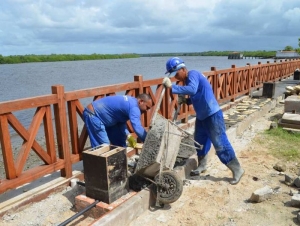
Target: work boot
(236, 170)
(202, 164)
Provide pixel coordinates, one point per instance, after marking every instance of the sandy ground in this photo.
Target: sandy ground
(206, 200)
(210, 200)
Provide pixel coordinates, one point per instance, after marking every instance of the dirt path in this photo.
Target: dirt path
(211, 200)
(206, 200)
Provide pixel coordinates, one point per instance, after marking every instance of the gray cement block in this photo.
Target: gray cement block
(261, 194)
(127, 211)
(291, 118)
(297, 182)
(295, 200)
(292, 104)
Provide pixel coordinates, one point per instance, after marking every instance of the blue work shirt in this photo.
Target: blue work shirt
(118, 109)
(201, 94)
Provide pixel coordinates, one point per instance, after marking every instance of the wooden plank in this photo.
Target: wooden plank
(74, 95)
(26, 147)
(62, 130)
(24, 134)
(26, 103)
(49, 135)
(82, 139)
(73, 126)
(30, 175)
(7, 152)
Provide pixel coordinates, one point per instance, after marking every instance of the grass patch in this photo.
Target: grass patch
(283, 144)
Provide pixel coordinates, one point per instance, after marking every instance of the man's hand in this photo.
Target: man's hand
(181, 99)
(167, 82)
(131, 141)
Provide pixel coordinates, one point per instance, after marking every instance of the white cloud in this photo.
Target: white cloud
(91, 26)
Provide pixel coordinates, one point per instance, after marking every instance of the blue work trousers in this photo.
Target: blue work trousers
(99, 134)
(213, 130)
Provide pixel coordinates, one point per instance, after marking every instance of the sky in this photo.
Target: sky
(146, 26)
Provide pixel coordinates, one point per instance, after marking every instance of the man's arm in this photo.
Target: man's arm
(135, 119)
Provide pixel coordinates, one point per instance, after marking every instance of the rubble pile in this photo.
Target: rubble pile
(292, 90)
(267, 192)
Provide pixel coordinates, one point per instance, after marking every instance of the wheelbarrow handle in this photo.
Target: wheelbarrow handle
(158, 105)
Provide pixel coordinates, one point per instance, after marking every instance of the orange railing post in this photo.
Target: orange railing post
(60, 116)
(215, 82)
(234, 85)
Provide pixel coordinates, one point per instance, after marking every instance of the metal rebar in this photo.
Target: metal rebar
(79, 213)
(81, 183)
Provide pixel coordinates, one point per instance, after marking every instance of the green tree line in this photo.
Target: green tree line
(16, 59)
(259, 53)
(290, 48)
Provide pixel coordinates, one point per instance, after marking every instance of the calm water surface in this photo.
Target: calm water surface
(34, 79)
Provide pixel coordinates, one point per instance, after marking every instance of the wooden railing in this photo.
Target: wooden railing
(65, 136)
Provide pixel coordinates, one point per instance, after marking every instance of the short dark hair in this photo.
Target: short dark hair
(144, 96)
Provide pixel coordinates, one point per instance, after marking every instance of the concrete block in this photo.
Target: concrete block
(291, 118)
(105, 173)
(295, 200)
(268, 89)
(292, 104)
(127, 211)
(293, 192)
(261, 194)
(297, 182)
(289, 180)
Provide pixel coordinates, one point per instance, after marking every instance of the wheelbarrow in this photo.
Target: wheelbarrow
(158, 157)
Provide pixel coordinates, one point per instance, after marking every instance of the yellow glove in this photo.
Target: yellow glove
(131, 141)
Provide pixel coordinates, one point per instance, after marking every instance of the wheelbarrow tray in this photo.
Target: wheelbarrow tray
(161, 146)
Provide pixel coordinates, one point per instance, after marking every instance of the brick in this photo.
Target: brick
(82, 201)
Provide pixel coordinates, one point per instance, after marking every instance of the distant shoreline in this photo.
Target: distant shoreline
(17, 59)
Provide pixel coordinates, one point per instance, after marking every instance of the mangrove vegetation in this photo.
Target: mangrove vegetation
(16, 59)
(61, 57)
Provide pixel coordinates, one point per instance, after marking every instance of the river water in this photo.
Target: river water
(34, 79)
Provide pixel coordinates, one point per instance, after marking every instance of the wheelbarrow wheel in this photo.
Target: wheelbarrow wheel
(169, 187)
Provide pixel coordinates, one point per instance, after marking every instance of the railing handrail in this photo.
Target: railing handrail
(60, 114)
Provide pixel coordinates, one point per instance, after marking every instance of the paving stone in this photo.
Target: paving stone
(295, 200)
(292, 103)
(280, 166)
(297, 182)
(261, 194)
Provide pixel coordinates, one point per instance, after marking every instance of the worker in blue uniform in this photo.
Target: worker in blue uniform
(209, 126)
(106, 118)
